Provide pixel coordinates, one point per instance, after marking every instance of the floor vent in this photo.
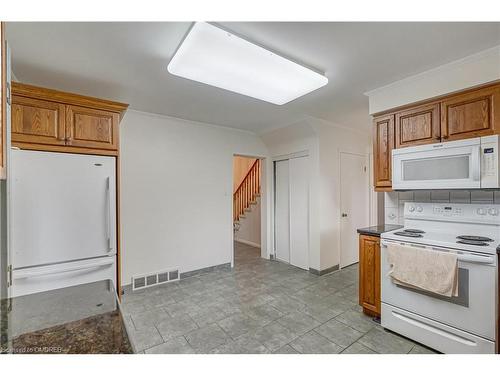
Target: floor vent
(161, 277)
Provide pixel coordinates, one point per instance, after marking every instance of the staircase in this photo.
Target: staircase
(246, 194)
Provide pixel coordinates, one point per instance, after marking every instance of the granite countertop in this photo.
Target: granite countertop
(79, 319)
(377, 230)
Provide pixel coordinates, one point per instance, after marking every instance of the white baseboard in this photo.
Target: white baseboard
(247, 242)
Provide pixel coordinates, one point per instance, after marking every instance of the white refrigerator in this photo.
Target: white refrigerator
(63, 220)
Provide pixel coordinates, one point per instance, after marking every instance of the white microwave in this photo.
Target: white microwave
(465, 164)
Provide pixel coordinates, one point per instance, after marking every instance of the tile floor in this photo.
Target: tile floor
(260, 306)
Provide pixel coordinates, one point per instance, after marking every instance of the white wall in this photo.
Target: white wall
(323, 141)
(249, 230)
(176, 197)
(333, 140)
(470, 71)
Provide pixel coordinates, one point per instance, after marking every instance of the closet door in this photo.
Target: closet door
(282, 210)
(299, 212)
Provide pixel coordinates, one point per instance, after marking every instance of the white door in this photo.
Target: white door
(63, 207)
(354, 203)
(292, 211)
(282, 211)
(299, 212)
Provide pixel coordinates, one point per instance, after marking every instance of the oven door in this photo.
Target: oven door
(472, 311)
(450, 165)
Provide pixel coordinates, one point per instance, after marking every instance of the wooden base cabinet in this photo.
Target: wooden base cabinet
(369, 274)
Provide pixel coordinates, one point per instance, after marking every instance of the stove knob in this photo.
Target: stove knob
(481, 211)
(419, 209)
(411, 208)
(493, 211)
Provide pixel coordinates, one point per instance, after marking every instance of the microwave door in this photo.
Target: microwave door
(444, 168)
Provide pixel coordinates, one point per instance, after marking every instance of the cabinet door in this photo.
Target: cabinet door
(37, 121)
(418, 126)
(369, 274)
(383, 143)
(91, 128)
(472, 114)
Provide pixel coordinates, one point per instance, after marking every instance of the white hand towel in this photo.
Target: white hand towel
(430, 270)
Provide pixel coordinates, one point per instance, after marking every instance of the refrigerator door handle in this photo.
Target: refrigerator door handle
(108, 214)
(26, 274)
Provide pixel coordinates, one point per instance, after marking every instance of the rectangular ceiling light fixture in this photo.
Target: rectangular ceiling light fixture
(218, 58)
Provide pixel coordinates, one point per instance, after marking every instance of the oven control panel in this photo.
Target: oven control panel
(447, 210)
(458, 211)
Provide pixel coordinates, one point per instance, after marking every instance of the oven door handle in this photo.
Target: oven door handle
(468, 258)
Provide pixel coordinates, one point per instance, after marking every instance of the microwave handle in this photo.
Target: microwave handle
(476, 163)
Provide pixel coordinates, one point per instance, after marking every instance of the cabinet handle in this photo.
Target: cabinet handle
(8, 93)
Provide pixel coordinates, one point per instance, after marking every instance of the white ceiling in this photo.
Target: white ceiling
(127, 62)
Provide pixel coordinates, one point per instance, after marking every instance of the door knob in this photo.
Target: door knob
(344, 214)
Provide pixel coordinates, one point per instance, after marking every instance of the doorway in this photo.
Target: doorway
(246, 209)
(354, 204)
(291, 197)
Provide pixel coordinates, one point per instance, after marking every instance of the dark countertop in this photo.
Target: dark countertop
(79, 319)
(377, 230)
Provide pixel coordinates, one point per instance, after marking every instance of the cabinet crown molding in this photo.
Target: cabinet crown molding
(42, 93)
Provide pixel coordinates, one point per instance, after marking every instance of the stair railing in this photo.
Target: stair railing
(247, 192)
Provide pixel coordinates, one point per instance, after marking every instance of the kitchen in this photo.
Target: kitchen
(145, 167)
(448, 144)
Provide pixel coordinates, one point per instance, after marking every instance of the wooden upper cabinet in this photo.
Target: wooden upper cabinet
(418, 126)
(472, 114)
(37, 121)
(50, 120)
(91, 128)
(369, 274)
(383, 143)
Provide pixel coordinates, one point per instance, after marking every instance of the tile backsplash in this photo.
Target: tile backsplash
(394, 201)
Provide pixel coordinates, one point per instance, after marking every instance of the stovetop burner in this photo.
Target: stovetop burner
(410, 230)
(408, 234)
(473, 242)
(475, 238)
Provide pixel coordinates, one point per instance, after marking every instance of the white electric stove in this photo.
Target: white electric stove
(463, 324)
